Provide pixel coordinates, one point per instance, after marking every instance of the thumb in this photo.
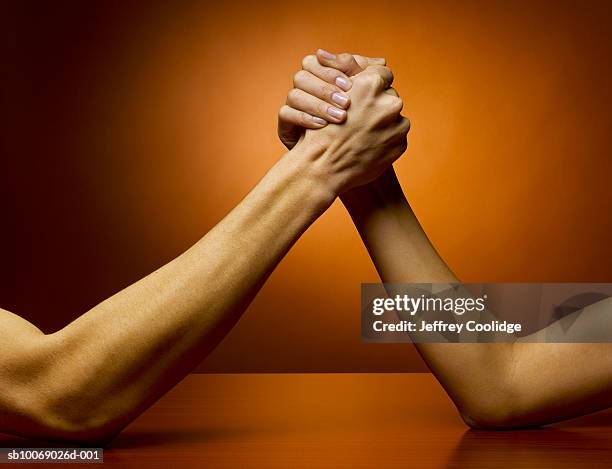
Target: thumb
(345, 63)
(365, 62)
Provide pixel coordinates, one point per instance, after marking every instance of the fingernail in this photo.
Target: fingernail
(327, 55)
(335, 112)
(344, 83)
(339, 98)
(318, 120)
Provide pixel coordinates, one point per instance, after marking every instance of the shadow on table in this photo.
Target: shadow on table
(584, 442)
(598, 419)
(159, 438)
(10, 441)
(142, 438)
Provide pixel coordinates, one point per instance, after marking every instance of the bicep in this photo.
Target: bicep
(564, 380)
(11, 324)
(19, 341)
(571, 373)
(22, 360)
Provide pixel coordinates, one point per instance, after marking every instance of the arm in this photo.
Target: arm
(87, 381)
(492, 385)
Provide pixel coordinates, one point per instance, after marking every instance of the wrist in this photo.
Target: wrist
(383, 191)
(306, 162)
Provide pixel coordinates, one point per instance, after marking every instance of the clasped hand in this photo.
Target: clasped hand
(354, 94)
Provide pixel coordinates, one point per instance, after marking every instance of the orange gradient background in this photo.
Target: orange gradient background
(133, 129)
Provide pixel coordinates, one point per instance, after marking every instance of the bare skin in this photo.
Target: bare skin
(495, 386)
(86, 382)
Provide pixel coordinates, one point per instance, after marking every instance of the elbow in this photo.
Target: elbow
(47, 401)
(500, 411)
(74, 409)
(489, 419)
(501, 400)
(83, 428)
(51, 415)
(62, 417)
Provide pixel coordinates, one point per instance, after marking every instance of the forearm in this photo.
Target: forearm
(394, 238)
(402, 253)
(491, 384)
(115, 360)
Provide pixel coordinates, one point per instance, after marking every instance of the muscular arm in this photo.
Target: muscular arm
(91, 378)
(492, 385)
(87, 381)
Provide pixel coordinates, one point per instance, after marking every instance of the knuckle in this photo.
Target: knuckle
(377, 81)
(293, 96)
(345, 58)
(407, 124)
(283, 112)
(327, 91)
(308, 61)
(366, 80)
(303, 119)
(397, 105)
(288, 115)
(389, 73)
(299, 77)
(330, 75)
(393, 92)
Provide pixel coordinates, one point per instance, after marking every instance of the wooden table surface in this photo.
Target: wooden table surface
(336, 420)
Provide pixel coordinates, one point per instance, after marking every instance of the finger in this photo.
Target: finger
(402, 127)
(394, 104)
(344, 62)
(365, 62)
(392, 92)
(376, 61)
(405, 124)
(311, 64)
(291, 125)
(391, 111)
(397, 138)
(384, 72)
(314, 106)
(398, 149)
(398, 131)
(314, 86)
(288, 116)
